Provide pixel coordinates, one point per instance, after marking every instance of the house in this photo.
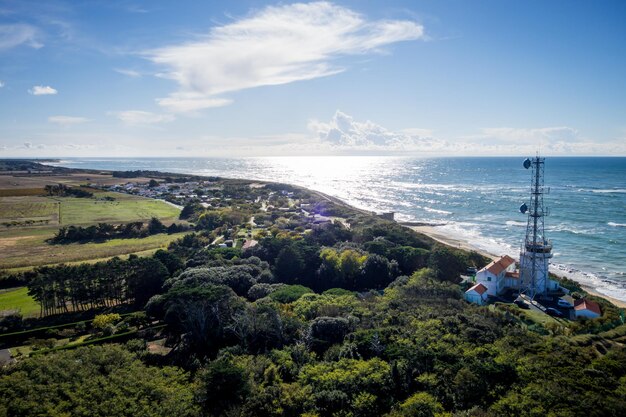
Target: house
(587, 308)
(494, 275)
(478, 294)
(249, 243)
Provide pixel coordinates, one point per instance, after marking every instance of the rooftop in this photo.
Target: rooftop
(495, 267)
(479, 288)
(584, 304)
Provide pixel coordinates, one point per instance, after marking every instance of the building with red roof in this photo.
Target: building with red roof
(493, 276)
(587, 308)
(478, 294)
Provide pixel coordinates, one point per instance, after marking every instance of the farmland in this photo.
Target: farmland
(18, 299)
(28, 219)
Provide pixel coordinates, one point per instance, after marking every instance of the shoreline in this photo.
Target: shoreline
(433, 233)
(426, 229)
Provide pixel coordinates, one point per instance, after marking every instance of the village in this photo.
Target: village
(280, 210)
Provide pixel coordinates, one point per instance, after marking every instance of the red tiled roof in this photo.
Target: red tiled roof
(514, 275)
(479, 288)
(250, 243)
(584, 304)
(495, 267)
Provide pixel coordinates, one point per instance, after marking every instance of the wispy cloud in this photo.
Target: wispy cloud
(139, 117)
(67, 120)
(188, 102)
(277, 45)
(128, 72)
(1, 84)
(536, 136)
(13, 35)
(41, 90)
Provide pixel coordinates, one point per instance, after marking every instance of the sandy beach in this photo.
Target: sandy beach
(434, 233)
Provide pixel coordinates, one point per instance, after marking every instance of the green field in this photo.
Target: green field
(30, 251)
(18, 299)
(125, 208)
(23, 242)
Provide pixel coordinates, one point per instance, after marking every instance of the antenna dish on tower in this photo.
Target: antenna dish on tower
(523, 208)
(527, 163)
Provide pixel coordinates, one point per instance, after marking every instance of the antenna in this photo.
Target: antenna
(536, 250)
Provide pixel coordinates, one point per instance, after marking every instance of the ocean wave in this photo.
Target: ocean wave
(613, 224)
(570, 229)
(514, 223)
(604, 191)
(432, 210)
(471, 234)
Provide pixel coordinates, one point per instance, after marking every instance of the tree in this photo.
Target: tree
(155, 226)
(94, 381)
(289, 265)
(200, 316)
(171, 261)
(447, 264)
(153, 183)
(220, 386)
(145, 278)
(377, 272)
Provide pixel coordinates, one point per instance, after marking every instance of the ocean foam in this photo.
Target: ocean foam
(515, 223)
(613, 224)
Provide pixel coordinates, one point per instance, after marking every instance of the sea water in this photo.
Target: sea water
(472, 199)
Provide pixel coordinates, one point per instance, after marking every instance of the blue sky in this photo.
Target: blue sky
(191, 78)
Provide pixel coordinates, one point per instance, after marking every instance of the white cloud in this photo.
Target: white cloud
(344, 133)
(277, 45)
(67, 120)
(138, 117)
(1, 84)
(181, 103)
(13, 35)
(40, 90)
(128, 72)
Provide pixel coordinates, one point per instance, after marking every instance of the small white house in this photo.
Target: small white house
(587, 308)
(493, 276)
(477, 294)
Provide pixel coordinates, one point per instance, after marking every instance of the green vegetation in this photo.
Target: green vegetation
(352, 318)
(95, 381)
(18, 299)
(125, 208)
(28, 251)
(31, 221)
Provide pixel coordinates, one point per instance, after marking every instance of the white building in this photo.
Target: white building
(497, 274)
(477, 294)
(587, 308)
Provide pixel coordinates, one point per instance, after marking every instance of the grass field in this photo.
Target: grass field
(27, 251)
(26, 222)
(18, 299)
(125, 208)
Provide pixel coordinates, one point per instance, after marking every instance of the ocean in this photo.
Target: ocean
(475, 200)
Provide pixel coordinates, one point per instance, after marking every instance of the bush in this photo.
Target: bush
(103, 321)
(290, 293)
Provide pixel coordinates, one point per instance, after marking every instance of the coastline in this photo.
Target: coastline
(433, 233)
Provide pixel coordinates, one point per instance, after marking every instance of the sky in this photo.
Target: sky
(257, 78)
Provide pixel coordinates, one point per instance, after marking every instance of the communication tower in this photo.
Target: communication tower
(536, 250)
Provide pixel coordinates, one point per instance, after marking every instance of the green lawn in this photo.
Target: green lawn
(18, 299)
